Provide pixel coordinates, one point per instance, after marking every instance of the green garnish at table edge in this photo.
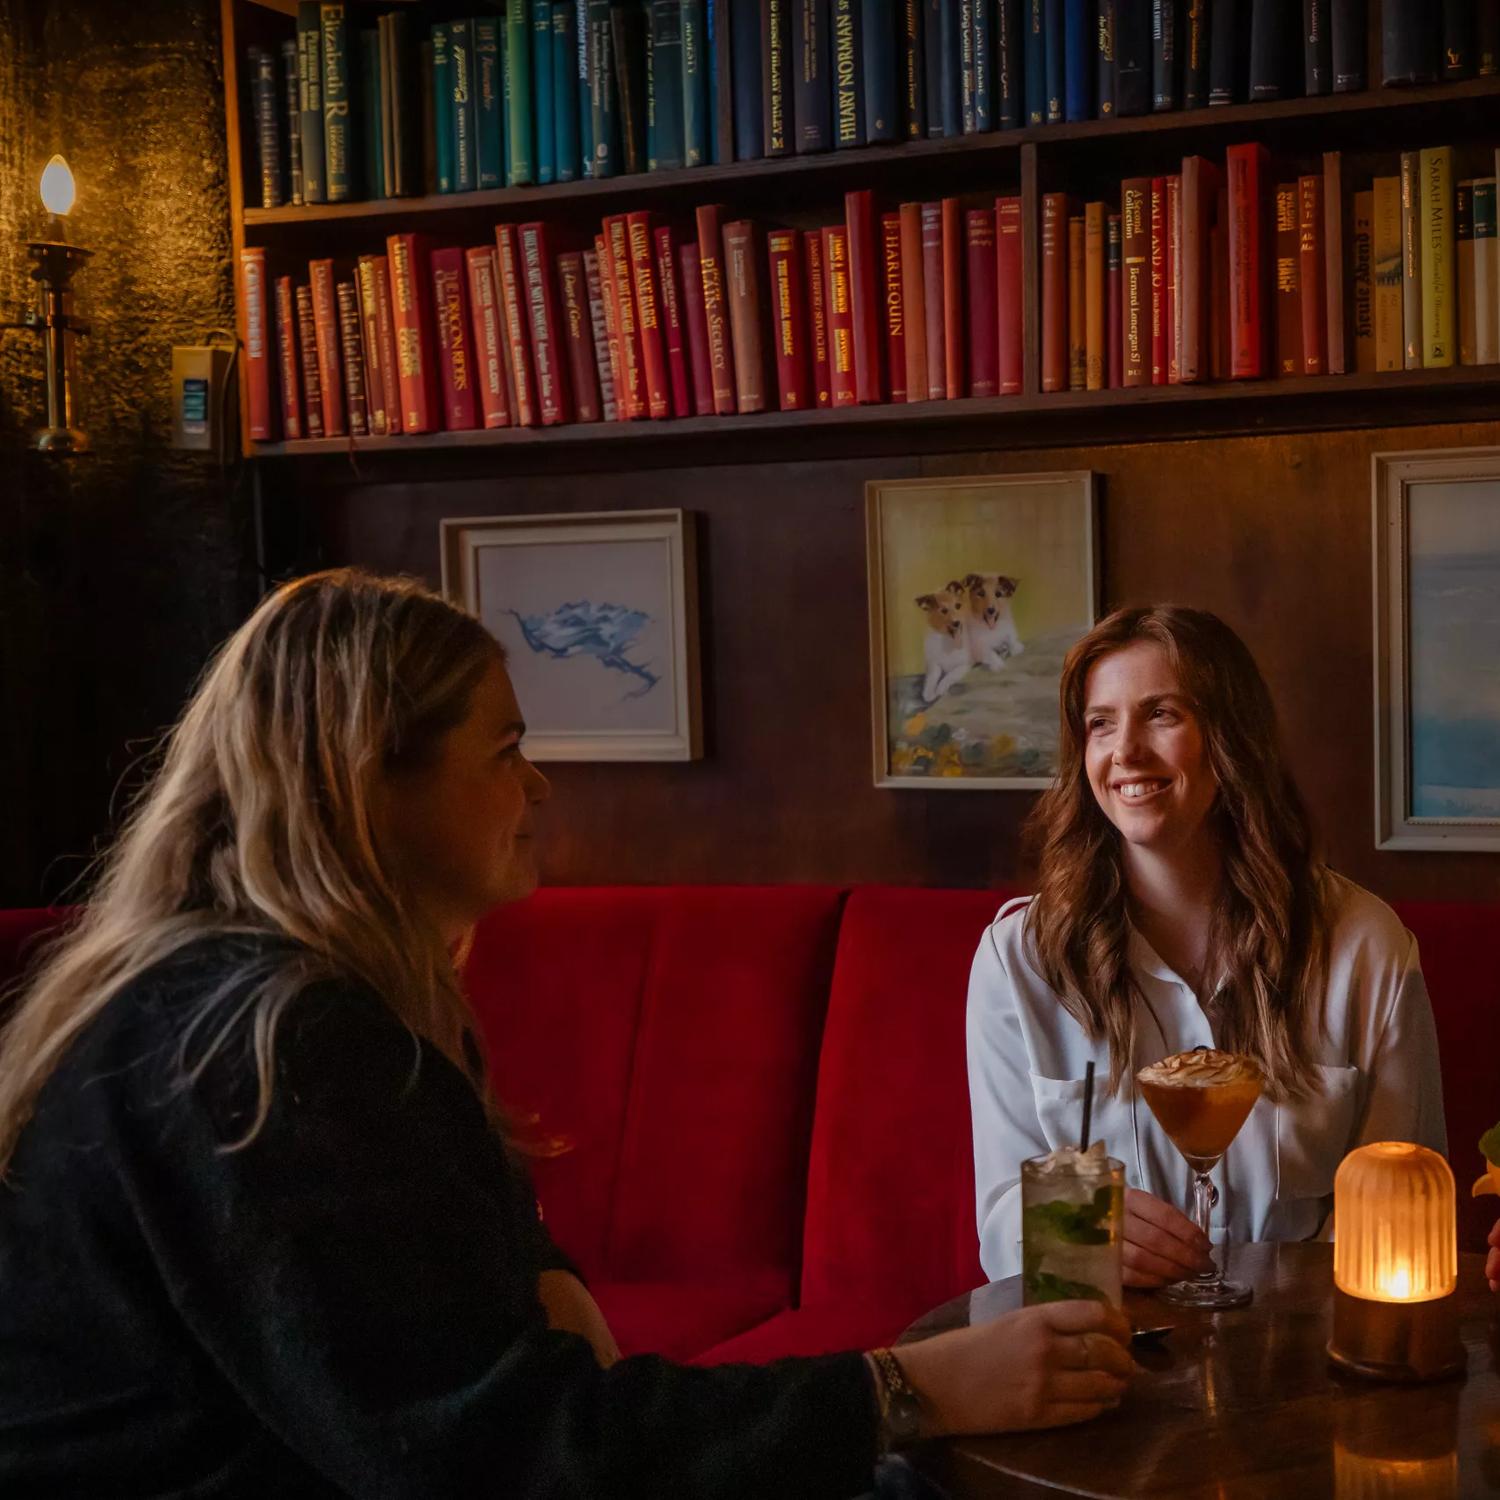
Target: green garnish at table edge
(1043, 1286)
(1489, 1143)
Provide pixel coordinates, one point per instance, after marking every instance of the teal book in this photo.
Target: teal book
(665, 110)
(585, 112)
(372, 102)
(489, 102)
(541, 89)
(697, 124)
(521, 171)
(504, 102)
(465, 147)
(339, 135)
(564, 90)
(310, 101)
(604, 103)
(442, 107)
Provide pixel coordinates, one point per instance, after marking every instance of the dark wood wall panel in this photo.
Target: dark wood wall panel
(1273, 533)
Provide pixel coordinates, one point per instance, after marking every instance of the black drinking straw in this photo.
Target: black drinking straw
(1088, 1105)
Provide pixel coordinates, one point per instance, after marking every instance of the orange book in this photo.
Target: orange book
(1288, 283)
(656, 381)
(1054, 291)
(1158, 281)
(633, 395)
(913, 303)
(1173, 318)
(330, 359)
(1095, 349)
(953, 299)
(1077, 314)
(1311, 272)
(840, 312)
(1135, 248)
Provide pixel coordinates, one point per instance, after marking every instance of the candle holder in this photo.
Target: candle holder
(1395, 1265)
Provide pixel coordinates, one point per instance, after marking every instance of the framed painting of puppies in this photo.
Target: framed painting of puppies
(978, 587)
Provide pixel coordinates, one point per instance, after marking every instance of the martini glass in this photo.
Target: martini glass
(1201, 1098)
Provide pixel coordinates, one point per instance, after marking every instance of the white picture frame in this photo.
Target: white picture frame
(607, 678)
(1436, 568)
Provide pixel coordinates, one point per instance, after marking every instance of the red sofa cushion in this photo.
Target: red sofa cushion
(679, 1318)
(1456, 941)
(21, 932)
(828, 1328)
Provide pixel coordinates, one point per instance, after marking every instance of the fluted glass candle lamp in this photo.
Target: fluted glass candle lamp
(1395, 1264)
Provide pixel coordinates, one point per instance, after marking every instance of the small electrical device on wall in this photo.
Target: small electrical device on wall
(203, 403)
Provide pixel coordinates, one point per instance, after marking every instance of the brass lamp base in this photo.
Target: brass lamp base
(1398, 1341)
(60, 440)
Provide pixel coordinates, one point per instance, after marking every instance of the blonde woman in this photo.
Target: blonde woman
(262, 1231)
(1179, 903)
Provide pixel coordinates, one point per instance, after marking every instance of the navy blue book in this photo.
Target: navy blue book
(913, 63)
(1132, 57)
(292, 155)
(1317, 48)
(370, 105)
(630, 33)
(339, 136)
(1055, 26)
(984, 67)
(310, 101)
(848, 76)
(1224, 34)
(263, 65)
(878, 48)
(564, 91)
(697, 122)
(1079, 48)
(720, 108)
(812, 90)
(1195, 55)
(1458, 39)
(603, 106)
(1350, 58)
(1104, 58)
(932, 65)
(1271, 32)
(489, 100)
(1006, 54)
(1034, 20)
(442, 107)
(1409, 42)
(950, 77)
(465, 114)
(581, 87)
(779, 90)
(666, 83)
(966, 66)
(744, 52)
(545, 128)
(1163, 54)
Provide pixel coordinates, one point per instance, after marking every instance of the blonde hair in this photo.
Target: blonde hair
(258, 821)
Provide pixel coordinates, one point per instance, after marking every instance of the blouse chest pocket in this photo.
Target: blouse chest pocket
(1314, 1133)
(1059, 1109)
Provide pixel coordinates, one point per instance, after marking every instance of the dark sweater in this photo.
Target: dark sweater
(345, 1307)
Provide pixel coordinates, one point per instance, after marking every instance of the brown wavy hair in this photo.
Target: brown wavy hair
(1269, 931)
(258, 821)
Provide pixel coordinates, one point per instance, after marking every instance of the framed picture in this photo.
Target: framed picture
(978, 587)
(598, 615)
(1437, 649)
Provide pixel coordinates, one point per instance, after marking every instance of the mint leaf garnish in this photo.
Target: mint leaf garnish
(1489, 1143)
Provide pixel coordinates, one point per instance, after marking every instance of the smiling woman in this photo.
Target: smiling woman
(1180, 904)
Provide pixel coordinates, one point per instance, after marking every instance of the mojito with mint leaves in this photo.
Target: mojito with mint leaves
(1072, 1226)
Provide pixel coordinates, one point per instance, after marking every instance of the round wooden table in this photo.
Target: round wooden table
(1244, 1403)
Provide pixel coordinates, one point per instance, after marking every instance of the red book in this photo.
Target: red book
(258, 340)
(700, 365)
(742, 289)
(789, 318)
(1009, 300)
(1054, 291)
(513, 309)
(1337, 362)
(547, 354)
(600, 324)
(673, 323)
(1288, 295)
(1158, 281)
(817, 317)
(984, 321)
(1112, 315)
(715, 308)
(605, 263)
(326, 331)
(840, 315)
(932, 295)
(893, 304)
(1135, 291)
(658, 383)
(369, 324)
(286, 353)
(1310, 250)
(1248, 166)
(632, 367)
(307, 350)
(859, 216)
(352, 351)
(913, 303)
(953, 299)
(1218, 345)
(1200, 192)
(416, 341)
(1173, 318)
(450, 306)
(489, 335)
(578, 335)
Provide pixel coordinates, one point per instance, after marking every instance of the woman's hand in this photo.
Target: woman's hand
(1492, 1263)
(1041, 1367)
(571, 1308)
(1161, 1244)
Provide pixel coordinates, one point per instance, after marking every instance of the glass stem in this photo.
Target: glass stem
(1205, 1195)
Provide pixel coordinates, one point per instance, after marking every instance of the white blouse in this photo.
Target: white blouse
(1377, 1064)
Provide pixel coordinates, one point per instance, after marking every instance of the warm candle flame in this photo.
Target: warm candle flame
(58, 191)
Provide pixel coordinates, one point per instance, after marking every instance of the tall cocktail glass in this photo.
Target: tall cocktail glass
(1072, 1226)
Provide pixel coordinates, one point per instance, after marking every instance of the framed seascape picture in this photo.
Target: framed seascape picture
(598, 615)
(978, 587)
(1437, 649)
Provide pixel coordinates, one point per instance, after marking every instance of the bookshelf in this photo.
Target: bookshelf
(802, 190)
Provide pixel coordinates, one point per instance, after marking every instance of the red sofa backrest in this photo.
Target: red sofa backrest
(671, 1034)
(21, 933)
(890, 1195)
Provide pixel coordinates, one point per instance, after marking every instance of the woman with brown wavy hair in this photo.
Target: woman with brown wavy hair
(1180, 903)
(262, 1229)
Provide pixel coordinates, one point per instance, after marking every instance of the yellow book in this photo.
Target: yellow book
(1385, 250)
(1438, 277)
(1363, 282)
(1095, 345)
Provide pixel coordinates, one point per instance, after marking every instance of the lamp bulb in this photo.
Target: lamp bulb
(58, 191)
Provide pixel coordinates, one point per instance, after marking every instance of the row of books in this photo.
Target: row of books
(554, 90)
